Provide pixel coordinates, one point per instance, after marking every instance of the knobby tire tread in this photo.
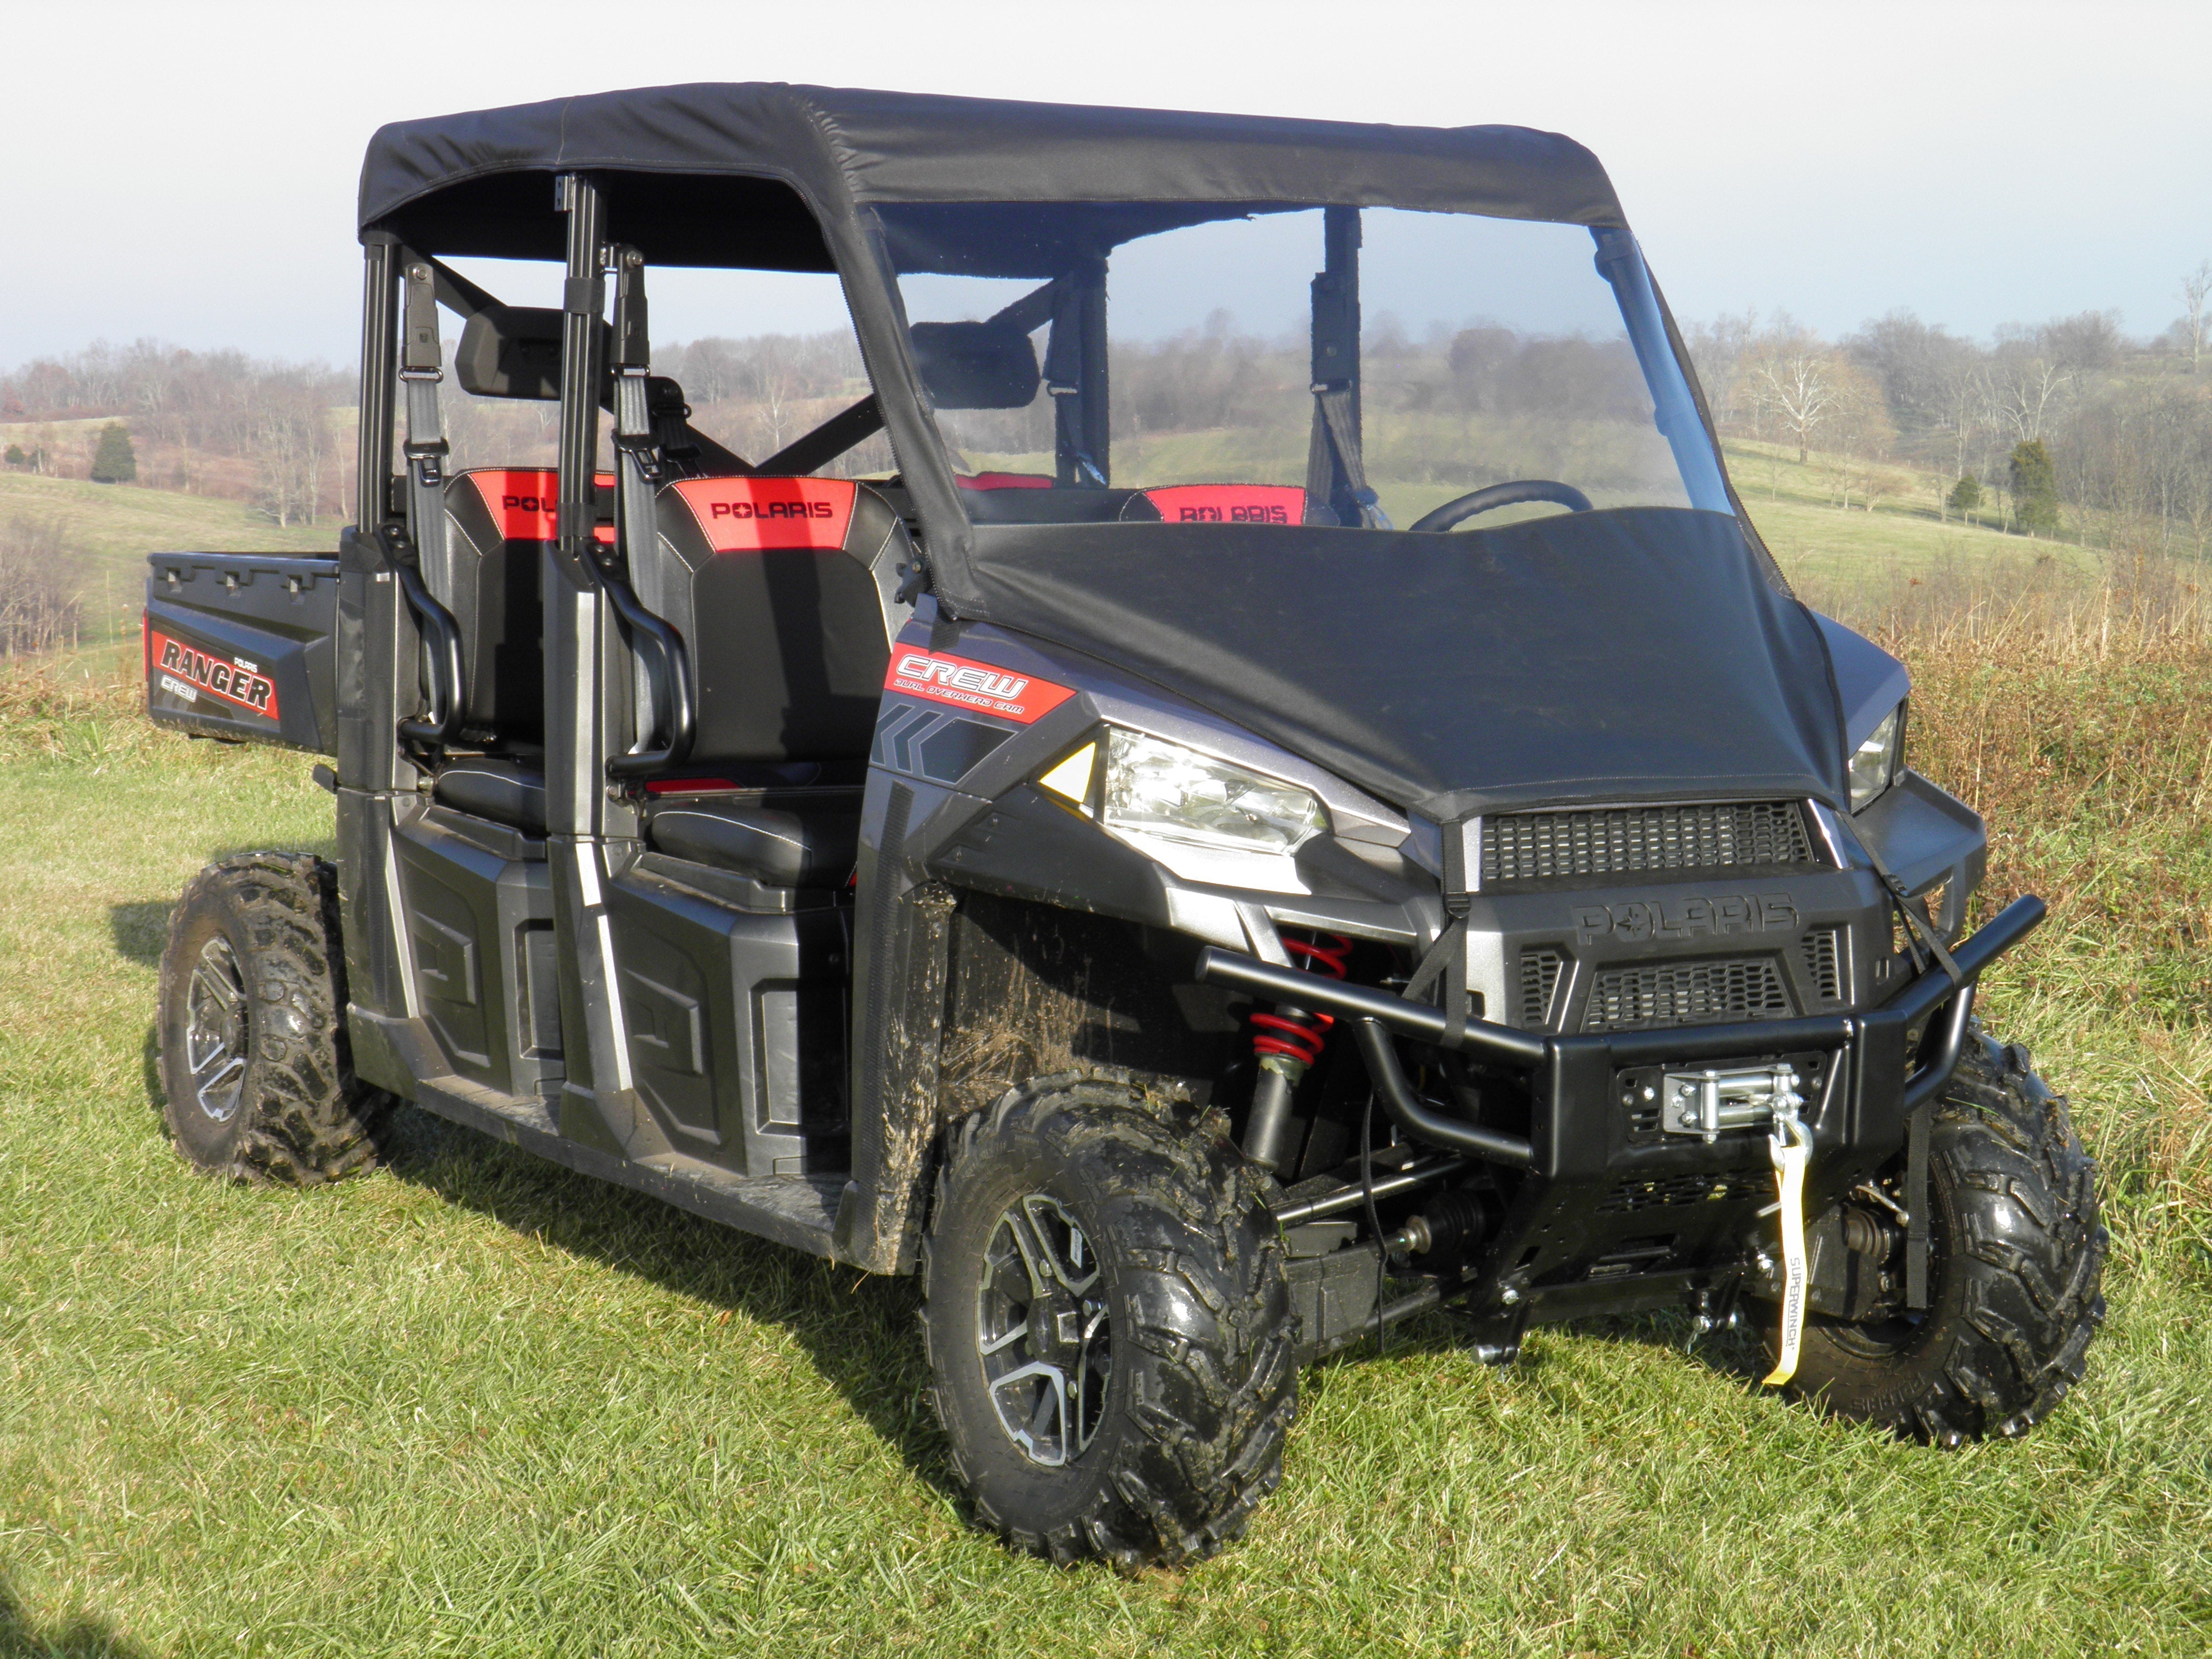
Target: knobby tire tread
(308, 1121)
(1207, 1416)
(2005, 1344)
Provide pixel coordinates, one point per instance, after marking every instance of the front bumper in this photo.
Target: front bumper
(1603, 1202)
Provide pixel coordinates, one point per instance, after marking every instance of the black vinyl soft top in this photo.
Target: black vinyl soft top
(1620, 655)
(478, 183)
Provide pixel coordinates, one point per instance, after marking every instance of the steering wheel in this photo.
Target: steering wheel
(1502, 495)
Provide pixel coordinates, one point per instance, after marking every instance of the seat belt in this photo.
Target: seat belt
(422, 368)
(420, 557)
(638, 446)
(660, 683)
(1334, 439)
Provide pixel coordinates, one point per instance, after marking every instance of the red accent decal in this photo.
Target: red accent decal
(196, 671)
(687, 785)
(943, 678)
(1230, 503)
(752, 515)
(1002, 481)
(523, 504)
(524, 501)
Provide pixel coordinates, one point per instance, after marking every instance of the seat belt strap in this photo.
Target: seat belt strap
(641, 466)
(421, 367)
(637, 445)
(1334, 439)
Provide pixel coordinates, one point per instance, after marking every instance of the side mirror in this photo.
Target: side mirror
(511, 351)
(975, 365)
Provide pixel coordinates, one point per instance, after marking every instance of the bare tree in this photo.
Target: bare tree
(37, 610)
(2023, 391)
(2195, 287)
(1799, 387)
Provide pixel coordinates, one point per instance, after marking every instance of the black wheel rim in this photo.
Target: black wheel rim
(216, 1030)
(1041, 1331)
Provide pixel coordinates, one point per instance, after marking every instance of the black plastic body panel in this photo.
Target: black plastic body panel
(241, 646)
(479, 928)
(735, 1022)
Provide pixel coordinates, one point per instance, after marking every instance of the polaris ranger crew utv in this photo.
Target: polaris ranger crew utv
(1291, 795)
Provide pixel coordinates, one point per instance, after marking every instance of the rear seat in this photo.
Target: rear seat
(784, 590)
(509, 791)
(499, 522)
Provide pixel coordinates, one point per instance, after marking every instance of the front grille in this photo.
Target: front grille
(1519, 847)
(1635, 1192)
(1686, 994)
(1824, 961)
(1539, 983)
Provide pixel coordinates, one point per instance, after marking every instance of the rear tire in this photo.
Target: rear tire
(254, 1061)
(2016, 1257)
(1130, 1399)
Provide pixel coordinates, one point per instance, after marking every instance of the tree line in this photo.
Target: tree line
(2062, 426)
(275, 434)
(2067, 427)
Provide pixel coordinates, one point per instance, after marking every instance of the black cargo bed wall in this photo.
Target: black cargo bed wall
(238, 645)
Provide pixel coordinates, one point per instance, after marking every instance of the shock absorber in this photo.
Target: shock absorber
(1288, 1041)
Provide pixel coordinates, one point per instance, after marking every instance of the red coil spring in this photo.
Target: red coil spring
(1294, 1033)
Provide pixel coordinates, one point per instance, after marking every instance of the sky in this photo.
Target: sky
(187, 172)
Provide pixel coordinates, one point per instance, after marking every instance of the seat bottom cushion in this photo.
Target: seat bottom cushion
(507, 792)
(783, 838)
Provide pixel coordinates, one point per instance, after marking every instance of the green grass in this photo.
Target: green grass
(108, 531)
(473, 1404)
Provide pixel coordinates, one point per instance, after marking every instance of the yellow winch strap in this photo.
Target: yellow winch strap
(1792, 1147)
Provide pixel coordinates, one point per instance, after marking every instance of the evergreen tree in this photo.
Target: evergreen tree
(15, 457)
(114, 461)
(1966, 494)
(2034, 487)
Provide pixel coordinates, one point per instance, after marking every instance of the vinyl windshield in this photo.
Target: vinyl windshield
(1328, 366)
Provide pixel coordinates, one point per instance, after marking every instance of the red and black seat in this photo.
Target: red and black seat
(1225, 503)
(785, 594)
(499, 525)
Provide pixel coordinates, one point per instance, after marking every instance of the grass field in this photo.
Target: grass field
(474, 1404)
(108, 529)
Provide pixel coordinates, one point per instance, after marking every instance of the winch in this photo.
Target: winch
(1705, 1102)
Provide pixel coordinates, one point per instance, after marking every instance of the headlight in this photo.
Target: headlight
(1154, 787)
(1874, 766)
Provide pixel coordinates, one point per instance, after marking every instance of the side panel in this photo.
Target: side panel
(480, 933)
(734, 1023)
(239, 645)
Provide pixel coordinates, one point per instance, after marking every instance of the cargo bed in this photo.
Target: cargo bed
(238, 645)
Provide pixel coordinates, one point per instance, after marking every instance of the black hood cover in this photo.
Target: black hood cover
(1638, 654)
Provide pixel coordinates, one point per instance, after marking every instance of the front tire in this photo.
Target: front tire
(253, 1056)
(1108, 1325)
(2016, 1259)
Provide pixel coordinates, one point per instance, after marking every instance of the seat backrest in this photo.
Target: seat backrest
(1223, 503)
(499, 522)
(786, 592)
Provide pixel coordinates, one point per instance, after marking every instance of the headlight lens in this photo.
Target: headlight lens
(1160, 788)
(1874, 768)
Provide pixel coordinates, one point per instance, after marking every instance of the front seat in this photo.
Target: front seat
(785, 594)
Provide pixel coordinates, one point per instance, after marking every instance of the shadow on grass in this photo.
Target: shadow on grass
(82, 1636)
(858, 1329)
(141, 932)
